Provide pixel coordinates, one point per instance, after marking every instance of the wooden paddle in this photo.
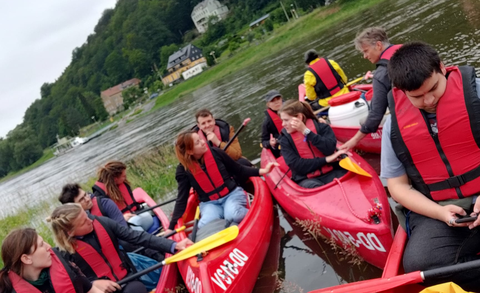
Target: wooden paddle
(383, 284)
(366, 76)
(206, 244)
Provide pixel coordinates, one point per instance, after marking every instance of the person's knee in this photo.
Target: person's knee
(134, 287)
(309, 183)
(236, 215)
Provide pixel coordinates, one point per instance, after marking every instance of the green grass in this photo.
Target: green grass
(47, 154)
(283, 36)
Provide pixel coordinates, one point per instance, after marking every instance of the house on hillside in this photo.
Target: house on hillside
(112, 97)
(259, 21)
(187, 58)
(204, 10)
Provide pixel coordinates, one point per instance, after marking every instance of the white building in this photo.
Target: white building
(204, 10)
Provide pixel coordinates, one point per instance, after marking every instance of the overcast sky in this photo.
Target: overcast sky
(36, 43)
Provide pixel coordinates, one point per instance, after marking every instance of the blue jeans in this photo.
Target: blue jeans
(232, 208)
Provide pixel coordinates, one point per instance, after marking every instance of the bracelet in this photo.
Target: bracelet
(306, 131)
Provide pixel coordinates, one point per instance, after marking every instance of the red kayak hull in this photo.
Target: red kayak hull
(170, 277)
(232, 267)
(340, 207)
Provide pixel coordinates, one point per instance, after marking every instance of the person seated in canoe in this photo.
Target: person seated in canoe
(104, 206)
(112, 183)
(209, 171)
(92, 244)
(218, 132)
(31, 265)
(431, 159)
(373, 43)
(272, 125)
(324, 79)
(308, 146)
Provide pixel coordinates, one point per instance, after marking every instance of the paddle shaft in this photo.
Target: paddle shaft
(245, 122)
(155, 206)
(383, 284)
(141, 273)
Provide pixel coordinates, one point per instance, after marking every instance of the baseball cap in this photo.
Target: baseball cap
(271, 95)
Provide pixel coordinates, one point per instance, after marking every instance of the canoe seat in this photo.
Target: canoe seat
(284, 167)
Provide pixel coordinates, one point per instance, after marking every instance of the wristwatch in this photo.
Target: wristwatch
(306, 131)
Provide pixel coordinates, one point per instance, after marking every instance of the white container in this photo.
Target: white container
(348, 114)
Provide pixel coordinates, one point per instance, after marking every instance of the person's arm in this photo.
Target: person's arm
(112, 211)
(406, 195)
(234, 167)
(297, 164)
(310, 81)
(378, 105)
(324, 140)
(265, 134)
(182, 198)
(234, 150)
(140, 238)
(339, 70)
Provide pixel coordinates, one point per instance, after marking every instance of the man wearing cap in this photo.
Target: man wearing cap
(272, 125)
(324, 79)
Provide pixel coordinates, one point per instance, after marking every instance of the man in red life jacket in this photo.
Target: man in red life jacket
(431, 159)
(373, 43)
(218, 132)
(324, 79)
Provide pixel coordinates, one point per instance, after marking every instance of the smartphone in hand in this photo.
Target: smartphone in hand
(466, 219)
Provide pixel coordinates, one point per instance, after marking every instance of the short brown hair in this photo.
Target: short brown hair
(203, 113)
(69, 192)
(370, 36)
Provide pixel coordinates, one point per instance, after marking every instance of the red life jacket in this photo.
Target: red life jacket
(129, 204)
(60, 278)
(95, 210)
(106, 263)
(329, 81)
(387, 54)
(307, 151)
(211, 182)
(276, 120)
(441, 166)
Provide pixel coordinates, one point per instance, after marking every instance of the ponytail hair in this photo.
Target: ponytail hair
(62, 219)
(183, 145)
(294, 107)
(107, 175)
(17, 243)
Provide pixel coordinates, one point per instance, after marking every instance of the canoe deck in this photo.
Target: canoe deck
(232, 267)
(340, 210)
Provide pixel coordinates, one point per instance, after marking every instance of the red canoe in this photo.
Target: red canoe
(232, 267)
(343, 208)
(169, 278)
(372, 142)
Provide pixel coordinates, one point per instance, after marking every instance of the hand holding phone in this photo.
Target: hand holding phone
(466, 219)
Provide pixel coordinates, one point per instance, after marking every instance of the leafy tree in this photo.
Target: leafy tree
(268, 25)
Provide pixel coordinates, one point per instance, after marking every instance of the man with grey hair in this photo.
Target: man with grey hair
(374, 45)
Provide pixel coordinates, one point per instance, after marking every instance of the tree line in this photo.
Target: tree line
(134, 39)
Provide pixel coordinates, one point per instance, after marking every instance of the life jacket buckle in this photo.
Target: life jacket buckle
(456, 181)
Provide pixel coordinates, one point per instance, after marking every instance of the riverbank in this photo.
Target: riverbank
(282, 37)
(47, 155)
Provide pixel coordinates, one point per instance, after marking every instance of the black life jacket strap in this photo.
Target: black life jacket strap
(455, 181)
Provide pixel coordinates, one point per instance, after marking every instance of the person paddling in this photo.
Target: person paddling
(92, 244)
(373, 43)
(272, 125)
(308, 146)
(112, 183)
(431, 159)
(32, 266)
(209, 171)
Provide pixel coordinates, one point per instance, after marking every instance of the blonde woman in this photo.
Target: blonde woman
(92, 243)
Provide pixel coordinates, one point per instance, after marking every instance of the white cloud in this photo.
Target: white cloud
(38, 38)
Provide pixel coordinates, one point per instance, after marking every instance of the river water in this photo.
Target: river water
(451, 26)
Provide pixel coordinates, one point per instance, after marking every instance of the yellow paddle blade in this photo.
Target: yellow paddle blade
(206, 244)
(347, 164)
(355, 81)
(197, 213)
(444, 288)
